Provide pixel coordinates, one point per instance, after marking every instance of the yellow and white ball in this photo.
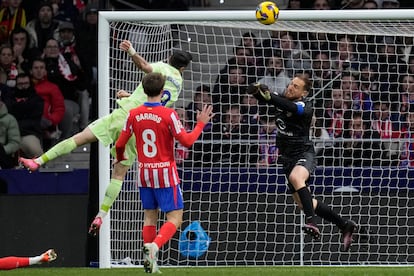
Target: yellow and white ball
(267, 12)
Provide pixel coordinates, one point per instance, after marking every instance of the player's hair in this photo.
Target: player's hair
(153, 84)
(180, 59)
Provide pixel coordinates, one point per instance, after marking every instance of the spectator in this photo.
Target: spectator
(23, 53)
(391, 66)
(230, 88)
(336, 114)
(361, 100)
(407, 149)
(249, 109)
(322, 5)
(268, 151)
(400, 109)
(182, 153)
(250, 41)
(362, 147)
(87, 41)
(70, 80)
(247, 61)
(69, 50)
(11, 17)
(54, 105)
(271, 44)
(66, 10)
(27, 107)
(9, 139)
(388, 132)
(8, 66)
(369, 83)
(234, 134)
(322, 141)
(201, 97)
(345, 53)
(322, 72)
(390, 4)
(295, 5)
(370, 5)
(296, 59)
(275, 76)
(352, 4)
(43, 27)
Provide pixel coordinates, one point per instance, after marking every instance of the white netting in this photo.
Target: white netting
(245, 207)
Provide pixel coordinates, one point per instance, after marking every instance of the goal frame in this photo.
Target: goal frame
(105, 17)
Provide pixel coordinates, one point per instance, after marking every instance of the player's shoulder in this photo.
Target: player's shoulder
(164, 68)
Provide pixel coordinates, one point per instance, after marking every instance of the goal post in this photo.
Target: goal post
(246, 210)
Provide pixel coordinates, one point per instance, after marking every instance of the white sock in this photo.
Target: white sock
(101, 214)
(35, 260)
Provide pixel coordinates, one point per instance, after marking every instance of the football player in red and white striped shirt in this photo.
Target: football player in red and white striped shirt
(155, 127)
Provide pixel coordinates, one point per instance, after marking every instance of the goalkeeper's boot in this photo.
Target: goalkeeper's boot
(150, 251)
(49, 256)
(347, 233)
(311, 229)
(29, 164)
(95, 226)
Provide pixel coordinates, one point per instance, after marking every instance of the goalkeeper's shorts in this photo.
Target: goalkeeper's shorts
(306, 159)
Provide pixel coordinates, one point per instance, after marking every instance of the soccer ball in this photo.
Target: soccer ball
(267, 12)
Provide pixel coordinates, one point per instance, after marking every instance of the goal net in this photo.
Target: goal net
(362, 67)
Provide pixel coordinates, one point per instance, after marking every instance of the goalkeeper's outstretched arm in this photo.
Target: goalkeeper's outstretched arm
(262, 93)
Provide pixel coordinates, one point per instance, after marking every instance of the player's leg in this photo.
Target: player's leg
(302, 196)
(13, 262)
(112, 191)
(149, 232)
(62, 148)
(105, 129)
(170, 201)
(119, 172)
(347, 227)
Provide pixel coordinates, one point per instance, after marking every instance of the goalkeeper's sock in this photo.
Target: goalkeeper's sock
(307, 204)
(149, 232)
(166, 232)
(325, 212)
(62, 148)
(111, 193)
(12, 262)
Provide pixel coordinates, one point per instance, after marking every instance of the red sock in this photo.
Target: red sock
(149, 232)
(8, 263)
(166, 232)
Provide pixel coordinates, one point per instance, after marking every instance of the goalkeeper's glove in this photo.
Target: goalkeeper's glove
(261, 89)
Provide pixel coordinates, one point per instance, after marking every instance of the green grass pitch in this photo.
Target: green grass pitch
(236, 271)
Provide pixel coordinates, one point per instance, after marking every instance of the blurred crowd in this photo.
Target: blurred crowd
(363, 89)
(346, 4)
(48, 71)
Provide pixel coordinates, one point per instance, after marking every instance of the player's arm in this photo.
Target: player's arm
(187, 139)
(262, 93)
(123, 139)
(122, 94)
(139, 61)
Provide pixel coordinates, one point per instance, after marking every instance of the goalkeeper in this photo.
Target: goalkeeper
(293, 119)
(107, 129)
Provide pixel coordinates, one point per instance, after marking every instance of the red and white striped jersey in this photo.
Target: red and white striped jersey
(155, 128)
